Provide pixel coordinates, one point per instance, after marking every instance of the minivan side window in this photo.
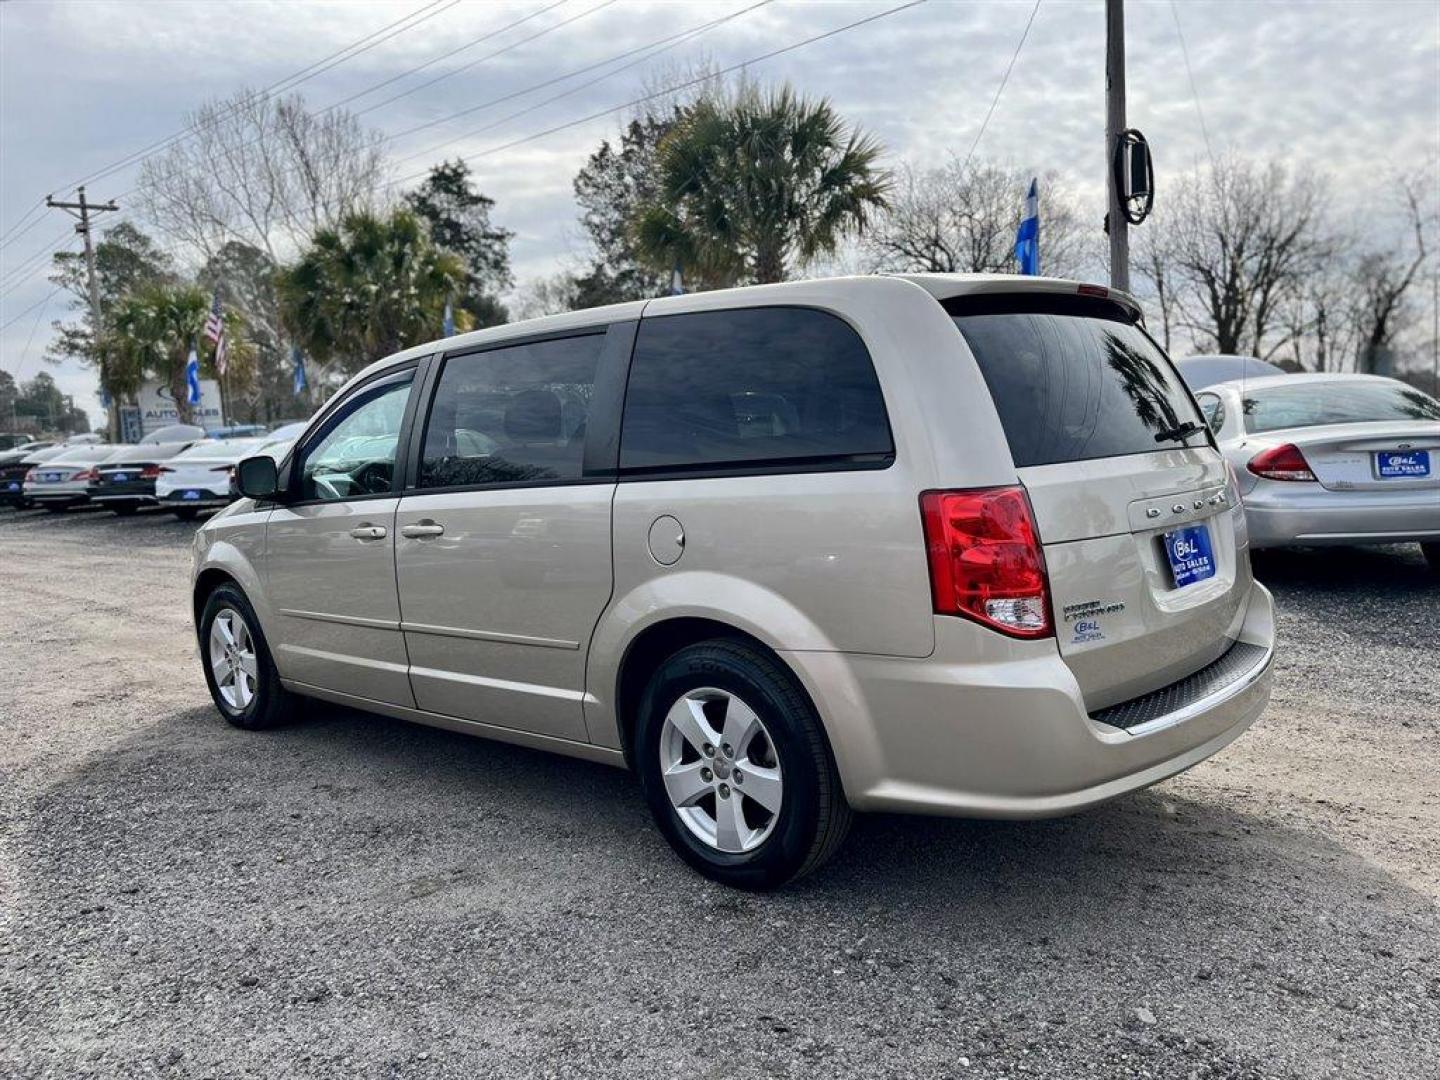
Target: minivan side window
(751, 387)
(510, 415)
(356, 455)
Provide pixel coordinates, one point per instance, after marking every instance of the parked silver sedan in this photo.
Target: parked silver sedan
(1331, 458)
(63, 481)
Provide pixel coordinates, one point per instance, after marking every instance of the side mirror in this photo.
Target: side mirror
(257, 477)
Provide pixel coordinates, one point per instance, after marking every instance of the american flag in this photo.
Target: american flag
(215, 331)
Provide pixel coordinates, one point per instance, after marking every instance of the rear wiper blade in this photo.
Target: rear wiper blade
(1179, 431)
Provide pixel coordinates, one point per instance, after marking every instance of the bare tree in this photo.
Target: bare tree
(260, 171)
(963, 218)
(1383, 279)
(1241, 241)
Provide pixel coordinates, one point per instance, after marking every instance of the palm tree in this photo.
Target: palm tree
(152, 331)
(755, 185)
(368, 288)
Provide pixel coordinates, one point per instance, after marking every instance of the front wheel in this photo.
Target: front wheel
(238, 668)
(735, 766)
(1432, 555)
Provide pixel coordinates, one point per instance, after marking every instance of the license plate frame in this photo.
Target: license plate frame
(1414, 465)
(1190, 553)
(190, 494)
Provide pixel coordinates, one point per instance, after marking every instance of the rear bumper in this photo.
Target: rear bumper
(1319, 517)
(176, 499)
(1008, 735)
(56, 493)
(139, 492)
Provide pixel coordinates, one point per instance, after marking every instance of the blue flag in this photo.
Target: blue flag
(192, 376)
(301, 383)
(447, 328)
(1027, 237)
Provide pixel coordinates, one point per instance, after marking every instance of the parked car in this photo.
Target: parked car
(62, 481)
(237, 431)
(201, 477)
(1332, 459)
(1204, 370)
(15, 464)
(125, 481)
(942, 544)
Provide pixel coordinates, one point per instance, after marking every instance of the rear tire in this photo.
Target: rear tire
(238, 667)
(1432, 555)
(124, 509)
(719, 712)
(185, 513)
(56, 507)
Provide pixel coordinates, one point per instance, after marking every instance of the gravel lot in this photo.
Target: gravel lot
(357, 897)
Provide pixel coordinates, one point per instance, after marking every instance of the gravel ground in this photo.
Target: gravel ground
(357, 897)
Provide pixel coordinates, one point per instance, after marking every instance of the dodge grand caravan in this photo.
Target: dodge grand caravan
(936, 544)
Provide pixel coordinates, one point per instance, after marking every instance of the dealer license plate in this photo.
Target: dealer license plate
(1396, 465)
(1191, 557)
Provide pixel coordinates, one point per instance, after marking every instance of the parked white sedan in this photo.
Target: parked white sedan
(202, 477)
(1332, 459)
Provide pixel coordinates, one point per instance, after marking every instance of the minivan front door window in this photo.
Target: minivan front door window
(357, 455)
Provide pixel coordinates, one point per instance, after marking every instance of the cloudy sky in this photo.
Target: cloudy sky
(1339, 87)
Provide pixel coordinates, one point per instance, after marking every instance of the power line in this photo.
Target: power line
(349, 52)
(660, 45)
(25, 353)
(29, 309)
(1194, 93)
(488, 56)
(39, 204)
(1001, 88)
(9, 279)
(445, 56)
(683, 85)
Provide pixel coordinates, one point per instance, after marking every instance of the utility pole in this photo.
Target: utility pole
(82, 210)
(1116, 222)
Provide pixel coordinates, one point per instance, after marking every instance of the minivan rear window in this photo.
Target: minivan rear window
(752, 388)
(1073, 378)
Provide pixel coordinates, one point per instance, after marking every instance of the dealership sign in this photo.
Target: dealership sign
(157, 406)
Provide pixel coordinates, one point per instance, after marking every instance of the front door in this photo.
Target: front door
(503, 545)
(330, 552)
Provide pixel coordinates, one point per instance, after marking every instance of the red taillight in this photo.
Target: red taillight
(165, 469)
(29, 476)
(85, 475)
(985, 559)
(150, 472)
(1281, 463)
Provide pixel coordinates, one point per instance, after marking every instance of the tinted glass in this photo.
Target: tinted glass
(356, 455)
(511, 415)
(751, 387)
(1310, 404)
(1073, 379)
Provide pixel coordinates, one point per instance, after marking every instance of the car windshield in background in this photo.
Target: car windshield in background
(1313, 404)
(1073, 378)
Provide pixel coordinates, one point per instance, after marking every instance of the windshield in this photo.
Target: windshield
(1073, 378)
(1312, 404)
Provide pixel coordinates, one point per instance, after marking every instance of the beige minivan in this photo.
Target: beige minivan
(938, 544)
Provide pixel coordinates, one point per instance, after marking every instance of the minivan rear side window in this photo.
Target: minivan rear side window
(751, 388)
(511, 415)
(1073, 378)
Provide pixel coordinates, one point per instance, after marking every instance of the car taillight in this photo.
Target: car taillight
(1281, 463)
(29, 476)
(228, 470)
(84, 476)
(165, 469)
(985, 559)
(150, 472)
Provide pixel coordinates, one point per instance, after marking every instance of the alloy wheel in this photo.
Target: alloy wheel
(720, 770)
(232, 658)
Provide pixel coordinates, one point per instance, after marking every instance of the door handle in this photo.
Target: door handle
(368, 532)
(422, 529)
